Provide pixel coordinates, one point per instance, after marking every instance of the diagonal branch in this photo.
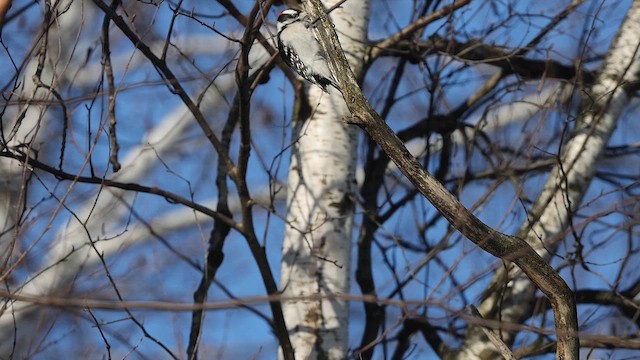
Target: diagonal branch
(551, 215)
(475, 51)
(171, 80)
(129, 186)
(412, 28)
(507, 247)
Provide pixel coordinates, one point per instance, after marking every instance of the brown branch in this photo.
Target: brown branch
(108, 71)
(509, 248)
(511, 62)
(623, 301)
(171, 81)
(412, 28)
(410, 327)
(77, 301)
(244, 110)
(29, 162)
(587, 341)
(375, 168)
(219, 233)
(65, 301)
(236, 173)
(475, 51)
(275, 57)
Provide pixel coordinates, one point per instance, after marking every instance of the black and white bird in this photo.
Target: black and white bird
(300, 49)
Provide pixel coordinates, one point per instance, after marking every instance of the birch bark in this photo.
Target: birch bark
(316, 254)
(550, 216)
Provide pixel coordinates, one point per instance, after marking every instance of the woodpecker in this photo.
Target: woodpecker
(300, 49)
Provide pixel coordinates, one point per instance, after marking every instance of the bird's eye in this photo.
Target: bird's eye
(284, 17)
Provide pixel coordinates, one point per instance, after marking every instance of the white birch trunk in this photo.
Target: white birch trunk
(316, 254)
(567, 184)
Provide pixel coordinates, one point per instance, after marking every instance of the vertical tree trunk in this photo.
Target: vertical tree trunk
(550, 216)
(316, 254)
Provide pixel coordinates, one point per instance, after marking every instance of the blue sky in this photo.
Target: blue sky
(151, 271)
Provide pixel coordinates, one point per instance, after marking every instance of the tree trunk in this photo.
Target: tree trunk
(550, 216)
(316, 254)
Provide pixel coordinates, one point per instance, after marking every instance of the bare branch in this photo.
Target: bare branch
(507, 247)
